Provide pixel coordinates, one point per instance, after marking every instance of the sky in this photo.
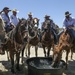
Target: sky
(39, 8)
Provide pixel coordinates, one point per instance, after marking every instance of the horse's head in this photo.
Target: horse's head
(21, 30)
(57, 53)
(36, 22)
(47, 25)
(33, 30)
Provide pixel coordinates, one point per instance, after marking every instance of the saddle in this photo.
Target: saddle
(71, 35)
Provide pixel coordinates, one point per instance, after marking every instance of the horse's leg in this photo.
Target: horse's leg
(48, 52)
(17, 59)
(67, 52)
(7, 55)
(12, 61)
(71, 53)
(23, 53)
(44, 51)
(36, 48)
(28, 50)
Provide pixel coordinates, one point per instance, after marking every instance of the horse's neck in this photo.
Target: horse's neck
(18, 36)
(47, 35)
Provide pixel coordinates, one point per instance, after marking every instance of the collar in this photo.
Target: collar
(70, 19)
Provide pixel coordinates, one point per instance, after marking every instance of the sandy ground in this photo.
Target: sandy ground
(5, 64)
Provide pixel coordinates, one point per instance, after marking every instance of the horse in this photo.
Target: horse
(65, 43)
(47, 39)
(33, 36)
(15, 42)
(2, 34)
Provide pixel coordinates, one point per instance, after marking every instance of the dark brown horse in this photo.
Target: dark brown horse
(14, 43)
(65, 43)
(47, 39)
(33, 38)
(2, 33)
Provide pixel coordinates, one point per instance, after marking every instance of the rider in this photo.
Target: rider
(6, 18)
(30, 20)
(47, 19)
(69, 24)
(13, 18)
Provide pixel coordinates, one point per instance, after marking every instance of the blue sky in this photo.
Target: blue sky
(54, 8)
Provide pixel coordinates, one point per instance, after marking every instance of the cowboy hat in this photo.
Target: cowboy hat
(46, 16)
(15, 10)
(29, 13)
(67, 13)
(6, 8)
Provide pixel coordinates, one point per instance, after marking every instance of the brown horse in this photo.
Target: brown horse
(2, 34)
(65, 43)
(14, 43)
(47, 39)
(33, 38)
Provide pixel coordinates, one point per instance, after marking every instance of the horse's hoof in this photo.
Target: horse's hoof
(18, 69)
(12, 70)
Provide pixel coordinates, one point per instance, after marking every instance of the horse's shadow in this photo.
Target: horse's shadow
(71, 68)
(7, 66)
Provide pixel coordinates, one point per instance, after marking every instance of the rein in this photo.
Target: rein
(31, 36)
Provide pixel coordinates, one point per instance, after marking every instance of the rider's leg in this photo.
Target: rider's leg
(58, 36)
(55, 36)
(73, 32)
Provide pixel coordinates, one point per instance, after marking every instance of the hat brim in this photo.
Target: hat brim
(15, 11)
(46, 16)
(67, 14)
(30, 14)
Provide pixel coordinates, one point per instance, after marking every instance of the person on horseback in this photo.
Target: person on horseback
(68, 24)
(50, 21)
(6, 18)
(14, 20)
(30, 21)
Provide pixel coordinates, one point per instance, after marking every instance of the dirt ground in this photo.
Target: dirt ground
(5, 65)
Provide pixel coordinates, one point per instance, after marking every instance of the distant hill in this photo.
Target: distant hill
(60, 29)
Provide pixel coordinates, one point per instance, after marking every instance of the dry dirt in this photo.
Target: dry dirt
(5, 65)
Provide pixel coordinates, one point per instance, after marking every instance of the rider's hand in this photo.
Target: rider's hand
(70, 26)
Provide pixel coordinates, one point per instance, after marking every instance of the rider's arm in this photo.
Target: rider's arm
(4, 18)
(64, 25)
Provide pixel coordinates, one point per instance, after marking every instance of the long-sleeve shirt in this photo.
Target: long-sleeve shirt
(5, 19)
(67, 23)
(14, 20)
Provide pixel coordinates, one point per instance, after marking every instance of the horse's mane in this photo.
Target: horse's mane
(16, 33)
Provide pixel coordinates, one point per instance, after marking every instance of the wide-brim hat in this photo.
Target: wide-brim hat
(46, 16)
(67, 13)
(6, 8)
(15, 10)
(30, 13)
